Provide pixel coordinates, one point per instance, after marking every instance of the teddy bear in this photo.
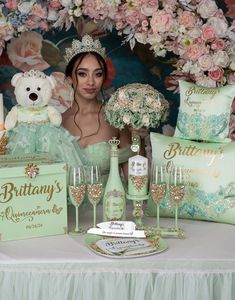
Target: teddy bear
(33, 90)
(32, 125)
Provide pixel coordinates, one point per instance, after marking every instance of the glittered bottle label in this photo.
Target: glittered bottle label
(114, 205)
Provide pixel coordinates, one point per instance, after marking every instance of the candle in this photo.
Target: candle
(1, 113)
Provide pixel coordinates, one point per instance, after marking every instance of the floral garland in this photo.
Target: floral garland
(195, 30)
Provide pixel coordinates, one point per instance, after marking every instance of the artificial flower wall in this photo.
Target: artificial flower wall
(197, 30)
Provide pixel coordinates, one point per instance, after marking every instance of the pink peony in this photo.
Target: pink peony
(161, 21)
(25, 52)
(187, 19)
(216, 75)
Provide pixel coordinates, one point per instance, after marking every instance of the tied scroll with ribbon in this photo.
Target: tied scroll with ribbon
(117, 229)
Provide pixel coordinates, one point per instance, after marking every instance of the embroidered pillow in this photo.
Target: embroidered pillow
(204, 112)
(209, 178)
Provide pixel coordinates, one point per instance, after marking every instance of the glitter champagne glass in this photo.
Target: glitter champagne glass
(77, 190)
(158, 187)
(94, 188)
(177, 189)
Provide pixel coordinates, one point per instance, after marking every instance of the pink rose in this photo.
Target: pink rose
(194, 51)
(208, 33)
(11, 4)
(161, 21)
(187, 19)
(217, 74)
(133, 17)
(25, 52)
(55, 4)
(218, 44)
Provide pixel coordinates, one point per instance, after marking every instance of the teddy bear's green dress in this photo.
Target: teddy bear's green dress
(35, 134)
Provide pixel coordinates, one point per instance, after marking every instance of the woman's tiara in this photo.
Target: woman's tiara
(86, 45)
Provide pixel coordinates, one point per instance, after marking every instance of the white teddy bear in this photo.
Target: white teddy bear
(33, 90)
(33, 126)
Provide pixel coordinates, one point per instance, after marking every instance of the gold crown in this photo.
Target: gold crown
(86, 45)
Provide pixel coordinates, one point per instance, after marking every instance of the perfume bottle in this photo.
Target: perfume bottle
(114, 200)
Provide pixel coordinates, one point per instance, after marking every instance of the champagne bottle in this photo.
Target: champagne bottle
(114, 201)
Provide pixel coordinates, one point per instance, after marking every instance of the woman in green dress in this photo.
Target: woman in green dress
(85, 120)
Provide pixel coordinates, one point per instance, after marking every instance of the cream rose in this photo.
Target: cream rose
(221, 59)
(205, 62)
(207, 8)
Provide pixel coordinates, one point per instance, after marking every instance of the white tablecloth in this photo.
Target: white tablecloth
(201, 266)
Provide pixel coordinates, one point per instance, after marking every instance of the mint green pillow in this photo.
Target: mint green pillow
(204, 113)
(209, 178)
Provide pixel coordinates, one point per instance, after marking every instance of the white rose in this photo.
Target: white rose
(52, 15)
(66, 3)
(25, 7)
(78, 2)
(141, 37)
(194, 33)
(145, 120)
(219, 25)
(205, 81)
(77, 12)
(207, 8)
(221, 59)
(126, 119)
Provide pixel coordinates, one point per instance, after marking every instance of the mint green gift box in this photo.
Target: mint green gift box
(33, 197)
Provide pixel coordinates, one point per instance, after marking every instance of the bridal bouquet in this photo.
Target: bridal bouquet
(136, 105)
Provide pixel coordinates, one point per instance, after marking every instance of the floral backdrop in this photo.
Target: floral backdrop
(197, 34)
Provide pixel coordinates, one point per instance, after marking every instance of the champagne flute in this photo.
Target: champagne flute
(94, 188)
(177, 189)
(158, 187)
(77, 190)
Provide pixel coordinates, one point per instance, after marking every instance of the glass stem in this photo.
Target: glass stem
(77, 221)
(94, 215)
(176, 216)
(158, 221)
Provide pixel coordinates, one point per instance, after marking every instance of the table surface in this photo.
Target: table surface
(208, 248)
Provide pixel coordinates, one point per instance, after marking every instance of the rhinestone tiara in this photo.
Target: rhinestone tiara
(86, 45)
(34, 73)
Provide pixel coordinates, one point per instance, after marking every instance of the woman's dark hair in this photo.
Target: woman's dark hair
(68, 73)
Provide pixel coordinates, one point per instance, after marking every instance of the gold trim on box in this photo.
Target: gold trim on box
(3, 144)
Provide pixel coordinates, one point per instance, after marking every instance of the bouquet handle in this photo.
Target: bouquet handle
(135, 138)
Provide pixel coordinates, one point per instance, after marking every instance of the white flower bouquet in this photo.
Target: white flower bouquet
(136, 105)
